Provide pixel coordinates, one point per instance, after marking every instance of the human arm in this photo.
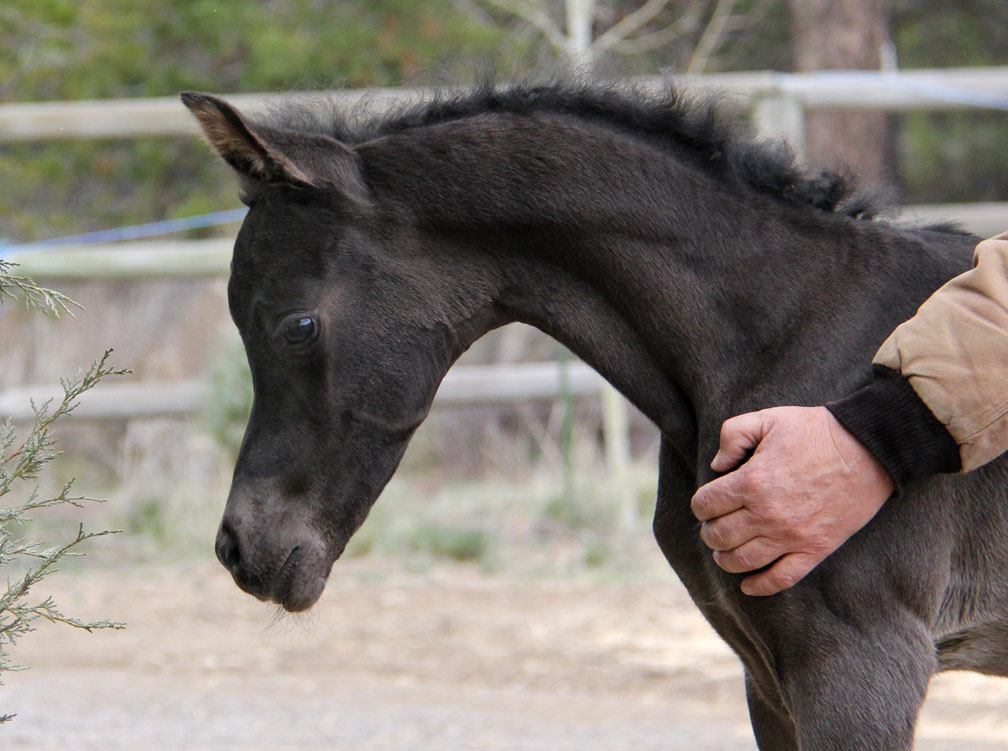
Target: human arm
(938, 402)
(954, 356)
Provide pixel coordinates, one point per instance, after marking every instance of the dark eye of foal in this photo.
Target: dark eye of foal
(299, 330)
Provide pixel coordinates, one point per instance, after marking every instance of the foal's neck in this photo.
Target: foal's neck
(666, 280)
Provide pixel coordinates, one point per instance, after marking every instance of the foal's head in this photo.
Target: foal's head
(348, 331)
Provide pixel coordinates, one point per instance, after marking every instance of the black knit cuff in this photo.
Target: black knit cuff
(890, 419)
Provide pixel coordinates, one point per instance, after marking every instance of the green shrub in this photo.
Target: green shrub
(456, 543)
(22, 460)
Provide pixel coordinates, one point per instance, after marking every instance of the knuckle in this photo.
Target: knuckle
(723, 560)
(713, 535)
(757, 482)
(989, 245)
(748, 482)
(728, 427)
(820, 543)
(699, 504)
(744, 559)
(784, 579)
(776, 514)
(705, 535)
(777, 524)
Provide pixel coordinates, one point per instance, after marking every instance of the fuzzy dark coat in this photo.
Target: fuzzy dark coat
(699, 271)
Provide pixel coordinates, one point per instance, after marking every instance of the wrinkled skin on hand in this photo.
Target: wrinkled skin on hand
(808, 486)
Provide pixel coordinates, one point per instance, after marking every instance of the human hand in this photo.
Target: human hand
(808, 486)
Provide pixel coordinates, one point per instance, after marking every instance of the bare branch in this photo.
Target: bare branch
(750, 17)
(630, 23)
(537, 15)
(711, 36)
(49, 301)
(686, 23)
(474, 12)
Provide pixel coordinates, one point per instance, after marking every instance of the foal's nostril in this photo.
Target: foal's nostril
(228, 552)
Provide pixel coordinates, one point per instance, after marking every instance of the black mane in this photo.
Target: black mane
(697, 128)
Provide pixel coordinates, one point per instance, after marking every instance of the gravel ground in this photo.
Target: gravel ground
(446, 659)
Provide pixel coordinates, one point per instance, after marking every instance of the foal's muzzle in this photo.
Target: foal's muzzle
(291, 575)
(235, 555)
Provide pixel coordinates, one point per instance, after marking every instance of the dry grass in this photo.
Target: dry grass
(166, 481)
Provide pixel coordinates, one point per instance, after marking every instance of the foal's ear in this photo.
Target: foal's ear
(273, 155)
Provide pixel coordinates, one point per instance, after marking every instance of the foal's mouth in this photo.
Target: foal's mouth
(299, 581)
(284, 577)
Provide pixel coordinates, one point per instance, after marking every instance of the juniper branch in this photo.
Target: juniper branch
(49, 301)
(24, 461)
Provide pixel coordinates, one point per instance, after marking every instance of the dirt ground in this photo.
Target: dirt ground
(446, 658)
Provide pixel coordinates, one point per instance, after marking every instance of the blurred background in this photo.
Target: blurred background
(529, 490)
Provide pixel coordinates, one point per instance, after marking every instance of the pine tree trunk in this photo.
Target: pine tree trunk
(844, 34)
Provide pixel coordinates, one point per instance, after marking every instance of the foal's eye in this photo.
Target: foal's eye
(299, 330)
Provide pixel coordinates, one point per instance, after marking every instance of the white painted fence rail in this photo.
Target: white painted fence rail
(949, 88)
(152, 116)
(149, 259)
(463, 386)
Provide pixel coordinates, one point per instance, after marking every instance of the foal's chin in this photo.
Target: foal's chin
(303, 592)
(300, 581)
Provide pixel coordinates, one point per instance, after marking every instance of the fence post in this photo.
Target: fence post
(616, 433)
(778, 114)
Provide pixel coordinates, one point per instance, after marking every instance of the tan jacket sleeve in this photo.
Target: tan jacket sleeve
(954, 353)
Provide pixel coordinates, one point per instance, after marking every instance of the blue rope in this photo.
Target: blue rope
(969, 97)
(133, 232)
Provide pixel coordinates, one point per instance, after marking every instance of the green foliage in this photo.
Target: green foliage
(947, 156)
(454, 542)
(146, 517)
(597, 552)
(405, 524)
(22, 460)
(115, 48)
(583, 510)
(94, 49)
(938, 34)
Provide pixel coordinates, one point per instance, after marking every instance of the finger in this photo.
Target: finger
(738, 436)
(729, 531)
(719, 497)
(786, 572)
(749, 556)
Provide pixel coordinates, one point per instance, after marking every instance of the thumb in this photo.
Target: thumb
(739, 435)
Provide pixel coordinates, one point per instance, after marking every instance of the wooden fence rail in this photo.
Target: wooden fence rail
(463, 386)
(950, 88)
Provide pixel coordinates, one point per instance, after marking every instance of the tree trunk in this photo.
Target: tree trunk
(844, 34)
